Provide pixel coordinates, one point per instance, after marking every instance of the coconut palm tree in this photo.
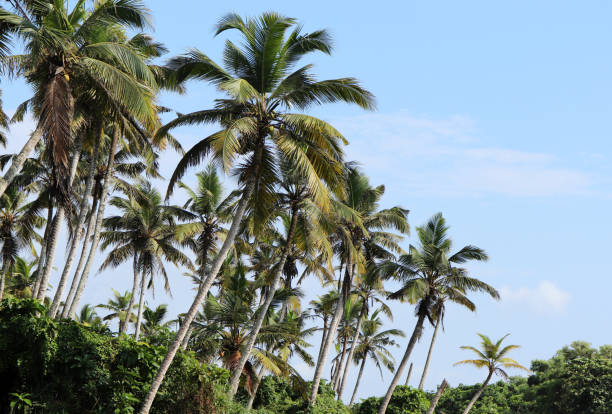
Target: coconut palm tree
(361, 236)
(17, 229)
(119, 305)
(427, 273)
(374, 344)
(144, 233)
(67, 55)
(262, 85)
(493, 357)
(88, 316)
(323, 307)
(153, 319)
(22, 278)
(301, 218)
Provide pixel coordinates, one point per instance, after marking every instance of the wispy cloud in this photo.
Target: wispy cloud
(546, 297)
(444, 158)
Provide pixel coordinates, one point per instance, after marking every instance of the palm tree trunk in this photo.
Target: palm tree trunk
(340, 368)
(77, 272)
(5, 269)
(43, 251)
(363, 361)
(263, 310)
(186, 339)
(76, 237)
(331, 333)
(128, 313)
(108, 174)
(436, 398)
(140, 307)
(409, 374)
(324, 333)
(431, 346)
(203, 290)
(416, 334)
(19, 160)
(351, 352)
(255, 388)
(59, 218)
(478, 393)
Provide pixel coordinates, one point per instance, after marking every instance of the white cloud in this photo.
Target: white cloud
(544, 298)
(443, 158)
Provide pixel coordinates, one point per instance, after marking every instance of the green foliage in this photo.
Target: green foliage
(405, 400)
(577, 380)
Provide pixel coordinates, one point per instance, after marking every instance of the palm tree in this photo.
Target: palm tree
(17, 229)
(69, 54)
(119, 306)
(22, 278)
(144, 233)
(427, 274)
(492, 357)
(88, 316)
(261, 83)
(375, 344)
(301, 218)
(153, 319)
(361, 236)
(323, 307)
(369, 289)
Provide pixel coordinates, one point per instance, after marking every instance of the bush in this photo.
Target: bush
(405, 400)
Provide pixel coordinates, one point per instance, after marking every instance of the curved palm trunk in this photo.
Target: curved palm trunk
(340, 368)
(351, 352)
(331, 333)
(363, 361)
(98, 226)
(416, 334)
(59, 218)
(436, 398)
(140, 307)
(77, 272)
(255, 388)
(76, 238)
(263, 310)
(478, 393)
(128, 313)
(19, 160)
(201, 295)
(431, 346)
(185, 342)
(409, 374)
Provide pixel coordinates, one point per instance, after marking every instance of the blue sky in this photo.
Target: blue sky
(496, 114)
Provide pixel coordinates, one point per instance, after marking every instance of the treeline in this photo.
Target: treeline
(49, 366)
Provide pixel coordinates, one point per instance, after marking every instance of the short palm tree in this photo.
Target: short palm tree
(262, 86)
(119, 306)
(427, 274)
(374, 344)
(144, 233)
(22, 278)
(88, 316)
(493, 357)
(153, 319)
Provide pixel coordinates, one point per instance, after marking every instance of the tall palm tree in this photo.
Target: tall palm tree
(69, 54)
(301, 218)
(375, 344)
(261, 84)
(323, 307)
(493, 357)
(369, 289)
(144, 233)
(362, 235)
(427, 273)
(17, 229)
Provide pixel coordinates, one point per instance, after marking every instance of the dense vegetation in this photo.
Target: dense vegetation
(64, 366)
(298, 209)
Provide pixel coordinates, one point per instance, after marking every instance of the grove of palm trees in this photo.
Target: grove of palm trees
(307, 289)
